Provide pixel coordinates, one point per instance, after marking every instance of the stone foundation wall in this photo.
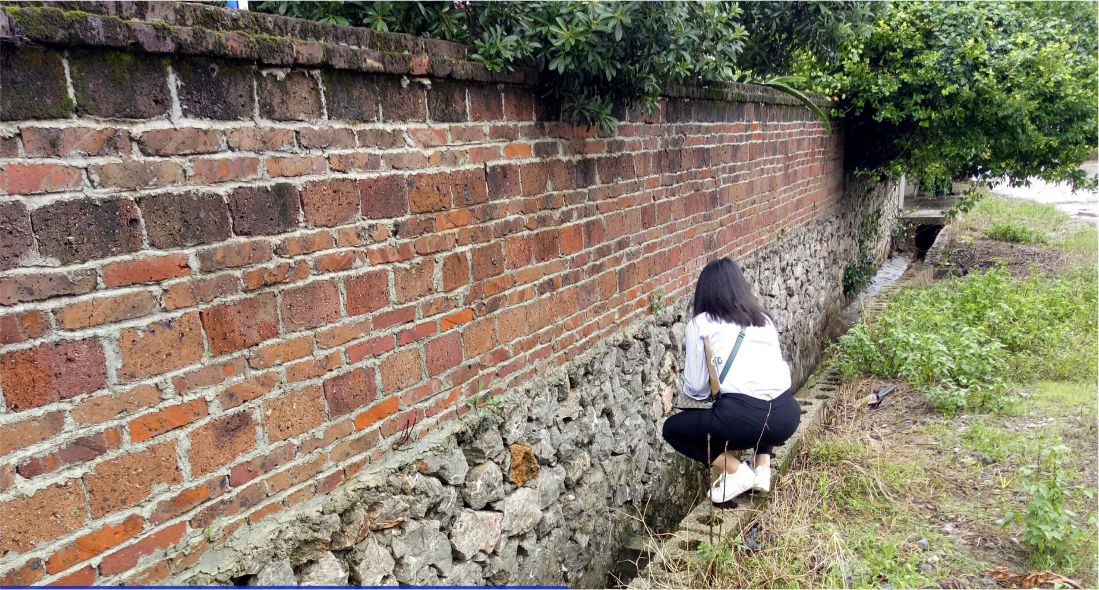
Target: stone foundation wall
(253, 269)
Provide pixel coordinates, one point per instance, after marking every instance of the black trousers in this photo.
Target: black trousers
(735, 422)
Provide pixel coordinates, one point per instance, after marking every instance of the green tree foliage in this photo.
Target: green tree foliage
(958, 90)
(595, 57)
(941, 91)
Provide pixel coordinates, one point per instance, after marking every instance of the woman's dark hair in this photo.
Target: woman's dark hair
(723, 293)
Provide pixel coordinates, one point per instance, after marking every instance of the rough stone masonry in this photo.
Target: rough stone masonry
(288, 302)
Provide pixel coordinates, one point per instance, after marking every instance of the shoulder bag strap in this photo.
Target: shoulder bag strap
(732, 355)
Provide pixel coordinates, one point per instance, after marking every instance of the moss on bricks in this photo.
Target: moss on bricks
(32, 84)
(37, 23)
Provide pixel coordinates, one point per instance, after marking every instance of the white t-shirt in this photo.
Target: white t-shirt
(758, 369)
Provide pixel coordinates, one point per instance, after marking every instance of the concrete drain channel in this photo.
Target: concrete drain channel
(667, 558)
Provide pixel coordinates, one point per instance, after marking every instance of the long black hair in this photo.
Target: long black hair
(723, 293)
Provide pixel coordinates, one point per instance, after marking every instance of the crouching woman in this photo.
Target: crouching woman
(755, 408)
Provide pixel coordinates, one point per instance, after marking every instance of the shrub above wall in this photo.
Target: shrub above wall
(238, 268)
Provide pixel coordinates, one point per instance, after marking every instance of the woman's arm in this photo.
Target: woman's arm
(696, 380)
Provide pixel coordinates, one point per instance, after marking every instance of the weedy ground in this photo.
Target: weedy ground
(984, 457)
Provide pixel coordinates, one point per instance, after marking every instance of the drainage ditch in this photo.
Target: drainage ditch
(643, 561)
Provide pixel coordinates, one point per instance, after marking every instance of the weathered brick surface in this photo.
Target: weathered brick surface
(174, 220)
(33, 79)
(237, 281)
(264, 210)
(120, 84)
(212, 89)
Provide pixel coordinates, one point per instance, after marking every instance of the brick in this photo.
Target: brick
(415, 333)
(324, 138)
(294, 165)
(305, 244)
(133, 175)
(250, 470)
(214, 89)
(381, 138)
(381, 410)
(455, 271)
(27, 521)
(311, 305)
(80, 450)
(33, 79)
(545, 245)
(394, 317)
(104, 310)
(195, 291)
(77, 231)
(234, 255)
(168, 419)
(488, 261)
(225, 169)
(124, 482)
(485, 103)
(281, 352)
(330, 202)
(16, 238)
(372, 347)
(292, 414)
(337, 261)
(293, 96)
(366, 292)
(446, 101)
(413, 281)
(439, 192)
(443, 353)
(128, 557)
(178, 220)
(179, 142)
(217, 443)
(456, 319)
(349, 392)
(18, 178)
(356, 162)
(401, 100)
(260, 139)
(85, 576)
(384, 197)
(283, 272)
(157, 572)
(264, 210)
(25, 575)
(50, 142)
(19, 435)
(188, 499)
(332, 336)
(400, 369)
(153, 269)
(428, 136)
(518, 150)
(518, 104)
(243, 324)
(102, 408)
(52, 372)
(350, 96)
(160, 347)
(207, 375)
(22, 326)
(248, 390)
(313, 367)
(120, 84)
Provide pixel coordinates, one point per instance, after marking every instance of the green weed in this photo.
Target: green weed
(1049, 527)
(993, 210)
(961, 341)
(1013, 232)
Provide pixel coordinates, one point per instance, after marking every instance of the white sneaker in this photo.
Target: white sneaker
(731, 485)
(762, 479)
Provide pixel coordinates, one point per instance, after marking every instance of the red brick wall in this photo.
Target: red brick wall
(227, 285)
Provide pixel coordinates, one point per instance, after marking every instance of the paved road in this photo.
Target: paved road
(1084, 204)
